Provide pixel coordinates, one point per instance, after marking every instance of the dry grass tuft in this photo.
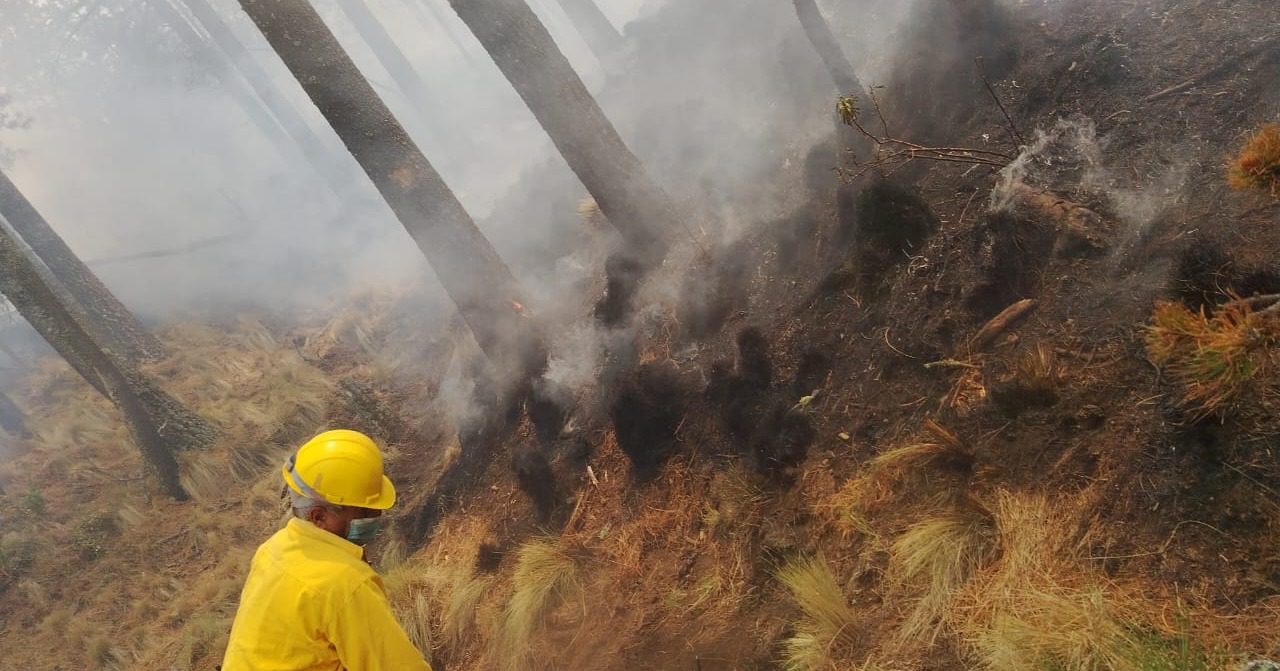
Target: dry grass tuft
(414, 615)
(545, 571)
(1214, 358)
(1039, 606)
(828, 630)
(937, 557)
(1257, 166)
(461, 606)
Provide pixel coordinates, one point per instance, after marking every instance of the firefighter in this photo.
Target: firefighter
(311, 601)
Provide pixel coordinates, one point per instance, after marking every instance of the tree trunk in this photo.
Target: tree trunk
(393, 60)
(594, 27)
(118, 328)
(244, 96)
(159, 424)
(437, 17)
(525, 52)
(288, 116)
(478, 281)
(12, 419)
(13, 356)
(824, 42)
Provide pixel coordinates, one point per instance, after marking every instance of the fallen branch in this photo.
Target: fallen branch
(1217, 70)
(1002, 322)
(891, 153)
(1077, 225)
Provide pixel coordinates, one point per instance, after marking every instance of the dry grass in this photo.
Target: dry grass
(1215, 359)
(545, 572)
(1257, 166)
(1041, 606)
(827, 631)
(936, 558)
(461, 607)
(1037, 370)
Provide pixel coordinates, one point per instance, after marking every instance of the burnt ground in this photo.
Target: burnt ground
(1164, 499)
(759, 399)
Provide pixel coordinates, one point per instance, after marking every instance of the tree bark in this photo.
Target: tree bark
(525, 52)
(159, 424)
(12, 419)
(476, 279)
(824, 42)
(595, 28)
(285, 113)
(118, 328)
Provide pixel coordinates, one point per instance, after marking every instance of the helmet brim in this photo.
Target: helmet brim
(386, 498)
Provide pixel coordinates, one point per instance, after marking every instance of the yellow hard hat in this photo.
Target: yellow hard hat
(343, 468)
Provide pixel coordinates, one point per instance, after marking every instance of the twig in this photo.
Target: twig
(1002, 322)
(951, 363)
(1219, 69)
(875, 101)
(1013, 128)
(886, 341)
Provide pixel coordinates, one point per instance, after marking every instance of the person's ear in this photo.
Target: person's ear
(316, 515)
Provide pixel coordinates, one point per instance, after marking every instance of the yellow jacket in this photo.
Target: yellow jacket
(311, 603)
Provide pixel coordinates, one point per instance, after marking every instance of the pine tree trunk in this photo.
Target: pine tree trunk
(12, 419)
(476, 279)
(824, 42)
(594, 26)
(13, 356)
(244, 96)
(117, 327)
(159, 424)
(392, 59)
(438, 18)
(288, 116)
(525, 52)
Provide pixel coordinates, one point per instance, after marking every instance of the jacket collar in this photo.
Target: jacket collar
(305, 530)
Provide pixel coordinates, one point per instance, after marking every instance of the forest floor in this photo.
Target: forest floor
(852, 477)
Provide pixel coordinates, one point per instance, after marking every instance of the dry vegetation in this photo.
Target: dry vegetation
(1215, 359)
(1257, 166)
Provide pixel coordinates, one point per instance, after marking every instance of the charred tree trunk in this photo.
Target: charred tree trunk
(288, 116)
(159, 424)
(594, 27)
(478, 281)
(525, 52)
(117, 327)
(824, 42)
(12, 419)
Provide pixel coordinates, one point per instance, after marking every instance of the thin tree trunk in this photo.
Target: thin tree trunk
(12, 419)
(249, 103)
(478, 281)
(13, 356)
(159, 424)
(525, 52)
(438, 18)
(824, 42)
(392, 59)
(595, 28)
(289, 117)
(119, 329)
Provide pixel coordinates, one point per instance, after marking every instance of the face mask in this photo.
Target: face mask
(362, 531)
